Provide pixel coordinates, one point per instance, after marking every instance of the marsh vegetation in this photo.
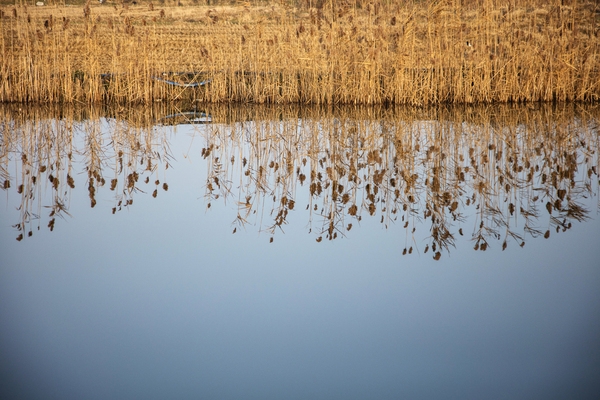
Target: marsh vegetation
(318, 52)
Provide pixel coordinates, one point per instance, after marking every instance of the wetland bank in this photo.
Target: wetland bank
(322, 52)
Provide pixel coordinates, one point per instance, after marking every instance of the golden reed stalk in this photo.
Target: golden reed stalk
(319, 52)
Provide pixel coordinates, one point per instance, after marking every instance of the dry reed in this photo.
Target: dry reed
(320, 52)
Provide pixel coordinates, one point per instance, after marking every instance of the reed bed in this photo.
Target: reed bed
(497, 175)
(309, 52)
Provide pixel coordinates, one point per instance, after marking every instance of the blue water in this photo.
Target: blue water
(161, 300)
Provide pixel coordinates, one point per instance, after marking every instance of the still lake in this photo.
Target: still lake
(284, 252)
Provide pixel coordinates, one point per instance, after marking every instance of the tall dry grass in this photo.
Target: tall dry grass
(322, 52)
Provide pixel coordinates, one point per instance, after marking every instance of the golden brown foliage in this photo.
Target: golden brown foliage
(350, 52)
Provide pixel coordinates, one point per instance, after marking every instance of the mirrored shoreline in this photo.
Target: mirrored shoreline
(514, 172)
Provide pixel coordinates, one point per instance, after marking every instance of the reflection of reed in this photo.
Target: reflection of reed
(51, 143)
(504, 165)
(519, 172)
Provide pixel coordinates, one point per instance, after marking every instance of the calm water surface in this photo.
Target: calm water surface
(271, 253)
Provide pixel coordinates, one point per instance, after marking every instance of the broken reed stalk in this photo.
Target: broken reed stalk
(343, 52)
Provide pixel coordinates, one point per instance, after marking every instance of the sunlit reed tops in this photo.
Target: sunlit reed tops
(337, 52)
